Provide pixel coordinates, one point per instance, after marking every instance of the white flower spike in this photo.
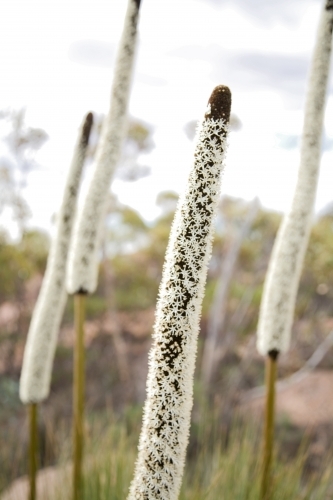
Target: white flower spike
(167, 412)
(83, 260)
(42, 336)
(282, 279)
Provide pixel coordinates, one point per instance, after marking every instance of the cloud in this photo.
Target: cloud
(102, 55)
(263, 11)
(285, 74)
(92, 53)
(291, 141)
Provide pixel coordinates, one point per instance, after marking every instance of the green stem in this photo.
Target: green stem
(271, 365)
(33, 450)
(78, 394)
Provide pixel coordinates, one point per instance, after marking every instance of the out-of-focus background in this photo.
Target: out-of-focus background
(57, 61)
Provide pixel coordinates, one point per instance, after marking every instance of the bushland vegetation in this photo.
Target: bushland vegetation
(120, 318)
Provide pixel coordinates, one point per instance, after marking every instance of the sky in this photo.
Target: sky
(57, 61)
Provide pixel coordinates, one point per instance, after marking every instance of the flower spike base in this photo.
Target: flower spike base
(78, 394)
(271, 365)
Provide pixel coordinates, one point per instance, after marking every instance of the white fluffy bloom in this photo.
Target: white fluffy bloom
(167, 412)
(280, 289)
(83, 259)
(46, 318)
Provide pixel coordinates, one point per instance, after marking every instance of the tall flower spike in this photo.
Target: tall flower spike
(45, 322)
(83, 260)
(167, 412)
(282, 279)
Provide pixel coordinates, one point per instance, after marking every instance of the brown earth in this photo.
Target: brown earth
(47, 480)
(307, 403)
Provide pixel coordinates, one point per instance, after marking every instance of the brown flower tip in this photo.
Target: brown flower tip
(329, 5)
(273, 354)
(137, 2)
(88, 122)
(220, 103)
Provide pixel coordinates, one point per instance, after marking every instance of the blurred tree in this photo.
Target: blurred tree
(134, 254)
(159, 233)
(18, 263)
(35, 246)
(138, 142)
(22, 142)
(316, 288)
(167, 201)
(126, 231)
(218, 309)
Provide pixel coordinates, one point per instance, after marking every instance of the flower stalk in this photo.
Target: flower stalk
(43, 331)
(83, 260)
(271, 369)
(167, 411)
(283, 275)
(33, 450)
(284, 270)
(88, 231)
(78, 394)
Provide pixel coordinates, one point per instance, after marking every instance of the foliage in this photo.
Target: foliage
(96, 306)
(223, 465)
(126, 230)
(19, 262)
(136, 255)
(135, 283)
(136, 277)
(138, 141)
(316, 291)
(35, 245)
(22, 144)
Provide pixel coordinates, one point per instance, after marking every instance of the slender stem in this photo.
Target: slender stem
(271, 364)
(78, 394)
(33, 450)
